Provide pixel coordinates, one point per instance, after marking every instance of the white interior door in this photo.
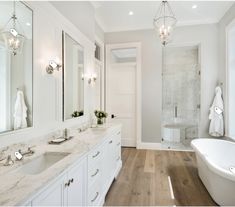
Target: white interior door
(121, 90)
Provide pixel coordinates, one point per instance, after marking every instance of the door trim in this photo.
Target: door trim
(201, 66)
(101, 63)
(136, 45)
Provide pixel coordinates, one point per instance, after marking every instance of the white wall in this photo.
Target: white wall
(231, 82)
(206, 36)
(47, 91)
(151, 78)
(80, 13)
(224, 23)
(99, 32)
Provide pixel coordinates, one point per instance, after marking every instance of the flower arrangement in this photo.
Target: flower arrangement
(77, 113)
(100, 115)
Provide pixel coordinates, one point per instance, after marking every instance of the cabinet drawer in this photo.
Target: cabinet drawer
(118, 146)
(94, 173)
(95, 195)
(118, 157)
(118, 143)
(118, 137)
(95, 156)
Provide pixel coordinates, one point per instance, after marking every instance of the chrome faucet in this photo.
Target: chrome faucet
(9, 161)
(19, 154)
(66, 133)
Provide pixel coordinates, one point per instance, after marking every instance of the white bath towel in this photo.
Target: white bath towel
(20, 114)
(216, 115)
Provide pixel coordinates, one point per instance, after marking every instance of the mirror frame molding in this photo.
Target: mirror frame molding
(8, 132)
(63, 79)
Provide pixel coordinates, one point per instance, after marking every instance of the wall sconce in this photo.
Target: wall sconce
(92, 79)
(52, 66)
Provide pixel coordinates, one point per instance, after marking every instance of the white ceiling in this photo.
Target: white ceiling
(113, 16)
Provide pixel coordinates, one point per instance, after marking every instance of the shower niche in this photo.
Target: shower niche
(181, 96)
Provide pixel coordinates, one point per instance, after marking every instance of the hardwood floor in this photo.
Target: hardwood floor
(146, 176)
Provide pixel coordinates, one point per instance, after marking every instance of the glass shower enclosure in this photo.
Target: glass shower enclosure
(180, 96)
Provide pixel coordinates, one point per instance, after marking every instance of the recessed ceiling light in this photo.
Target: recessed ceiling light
(28, 24)
(131, 13)
(194, 6)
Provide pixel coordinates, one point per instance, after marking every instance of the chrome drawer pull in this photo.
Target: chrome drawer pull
(118, 133)
(97, 193)
(111, 141)
(118, 143)
(97, 170)
(98, 152)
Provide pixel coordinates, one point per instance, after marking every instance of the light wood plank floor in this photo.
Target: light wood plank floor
(145, 177)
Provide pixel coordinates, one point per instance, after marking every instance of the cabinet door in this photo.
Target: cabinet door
(112, 154)
(51, 196)
(77, 190)
(108, 164)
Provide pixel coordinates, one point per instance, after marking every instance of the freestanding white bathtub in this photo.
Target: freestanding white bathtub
(214, 159)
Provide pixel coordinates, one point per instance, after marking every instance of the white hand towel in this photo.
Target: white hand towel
(216, 115)
(20, 114)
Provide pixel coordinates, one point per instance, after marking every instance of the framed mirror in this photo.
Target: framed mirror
(16, 66)
(73, 78)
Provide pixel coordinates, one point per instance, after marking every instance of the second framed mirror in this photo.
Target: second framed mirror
(73, 77)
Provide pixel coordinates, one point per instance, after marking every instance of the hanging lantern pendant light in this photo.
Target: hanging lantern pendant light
(13, 39)
(164, 22)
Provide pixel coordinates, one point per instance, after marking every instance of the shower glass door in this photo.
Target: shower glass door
(181, 96)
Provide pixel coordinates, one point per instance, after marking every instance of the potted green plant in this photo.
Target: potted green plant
(100, 115)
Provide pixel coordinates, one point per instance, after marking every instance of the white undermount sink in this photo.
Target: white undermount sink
(42, 162)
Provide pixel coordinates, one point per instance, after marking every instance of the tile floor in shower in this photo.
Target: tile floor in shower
(185, 145)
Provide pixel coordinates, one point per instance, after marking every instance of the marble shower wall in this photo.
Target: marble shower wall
(181, 88)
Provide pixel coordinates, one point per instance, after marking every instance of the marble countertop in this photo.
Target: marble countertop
(17, 187)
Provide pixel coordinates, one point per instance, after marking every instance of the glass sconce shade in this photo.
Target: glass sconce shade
(14, 43)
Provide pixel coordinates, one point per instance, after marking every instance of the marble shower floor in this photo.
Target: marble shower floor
(185, 145)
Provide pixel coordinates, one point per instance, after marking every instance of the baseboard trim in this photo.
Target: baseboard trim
(128, 143)
(149, 145)
(158, 146)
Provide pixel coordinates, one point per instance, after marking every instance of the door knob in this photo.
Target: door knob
(113, 116)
